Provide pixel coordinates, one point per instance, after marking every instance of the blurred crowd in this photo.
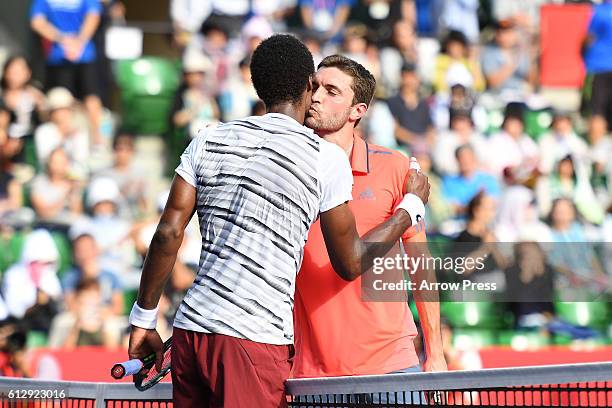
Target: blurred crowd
(458, 87)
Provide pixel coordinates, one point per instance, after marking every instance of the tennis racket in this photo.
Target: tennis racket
(135, 367)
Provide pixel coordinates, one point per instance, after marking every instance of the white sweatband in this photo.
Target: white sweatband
(414, 164)
(143, 318)
(414, 206)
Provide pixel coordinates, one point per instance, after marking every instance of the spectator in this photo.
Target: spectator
(357, 45)
(91, 322)
(194, 108)
(31, 287)
(561, 142)
(128, 176)
(63, 129)
(238, 100)
(23, 101)
(606, 238)
(461, 98)
(56, 198)
(223, 55)
(478, 240)
(187, 18)
(70, 25)
(461, 188)
(530, 286)
(567, 182)
(517, 215)
(512, 148)
(506, 63)
(461, 133)
(275, 11)
(523, 13)
(403, 49)
(456, 60)
(254, 31)
(571, 253)
(461, 16)
(327, 18)
(381, 15)
(10, 193)
(600, 152)
(413, 124)
(13, 358)
(111, 232)
(598, 59)
(87, 267)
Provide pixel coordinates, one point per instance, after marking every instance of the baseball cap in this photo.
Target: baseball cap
(102, 189)
(196, 62)
(59, 98)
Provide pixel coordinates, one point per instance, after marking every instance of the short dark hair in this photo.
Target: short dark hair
(123, 136)
(364, 83)
(281, 67)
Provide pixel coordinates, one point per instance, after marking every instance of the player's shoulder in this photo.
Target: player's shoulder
(391, 156)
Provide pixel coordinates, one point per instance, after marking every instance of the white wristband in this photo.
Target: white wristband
(414, 206)
(143, 318)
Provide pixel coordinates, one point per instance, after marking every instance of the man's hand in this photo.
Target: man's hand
(73, 47)
(418, 184)
(435, 363)
(144, 342)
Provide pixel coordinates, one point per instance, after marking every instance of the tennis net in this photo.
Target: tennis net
(582, 385)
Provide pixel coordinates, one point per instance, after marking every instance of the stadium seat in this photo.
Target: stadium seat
(537, 122)
(129, 297)
(36, 339)
(147, 87)
(64, 248)
(586, 314)
(473, 314)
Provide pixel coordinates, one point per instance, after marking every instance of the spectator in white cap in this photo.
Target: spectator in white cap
(254, 31)
(63, 129)
(111, 232)
(32, 284)
(194, 107)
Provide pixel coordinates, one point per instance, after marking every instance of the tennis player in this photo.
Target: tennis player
(257, 184)
(336, 332)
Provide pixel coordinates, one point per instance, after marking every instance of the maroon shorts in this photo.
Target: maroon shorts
(213, 370)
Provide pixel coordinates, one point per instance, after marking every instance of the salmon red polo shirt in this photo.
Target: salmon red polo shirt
(336, 332)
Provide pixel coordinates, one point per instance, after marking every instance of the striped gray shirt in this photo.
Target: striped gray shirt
(261, 182)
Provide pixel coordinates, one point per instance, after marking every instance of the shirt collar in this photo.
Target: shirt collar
(360, 161)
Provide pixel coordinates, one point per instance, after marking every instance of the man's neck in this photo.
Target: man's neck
(293, 110)
(342, 137)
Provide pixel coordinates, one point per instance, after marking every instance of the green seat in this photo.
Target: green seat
(473, 314)
(64, 248)
(10, 250)
(587, 314)
(147, 86)
(537, 122)
(36, 339)
(473, 338)
(129, 297)
(523, 340)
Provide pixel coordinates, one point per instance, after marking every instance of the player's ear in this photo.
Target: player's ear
(358, 111)
(309, 86)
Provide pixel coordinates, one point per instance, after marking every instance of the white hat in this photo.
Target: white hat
(102, 189)
(39, 246)
(59, 98)
(196, 62)
(257, 27)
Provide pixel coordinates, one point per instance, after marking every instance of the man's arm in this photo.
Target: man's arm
(351, 255)
(428, 306)
(166, 242)
(45, 29)
(158, 265)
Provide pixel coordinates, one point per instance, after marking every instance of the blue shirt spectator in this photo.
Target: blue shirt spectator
(67, 16)
(325, 16)
(599, 55)
(461, 188)
(109, 283)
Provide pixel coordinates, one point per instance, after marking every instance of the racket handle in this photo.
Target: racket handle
(126, 368)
